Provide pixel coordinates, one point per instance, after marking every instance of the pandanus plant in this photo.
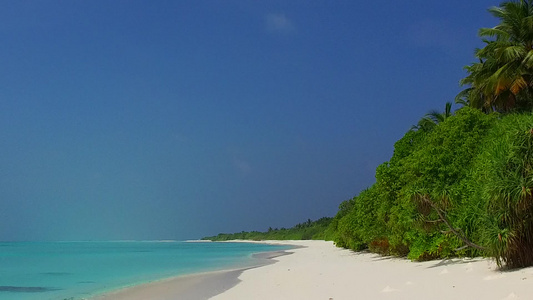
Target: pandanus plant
(509, 234)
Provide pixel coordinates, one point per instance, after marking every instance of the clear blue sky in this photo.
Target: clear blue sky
(180, 119)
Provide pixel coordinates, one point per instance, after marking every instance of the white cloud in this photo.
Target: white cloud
(242, 166)
(279, 23)
(180, 138)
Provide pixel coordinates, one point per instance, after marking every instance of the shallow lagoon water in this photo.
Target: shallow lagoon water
(78, 270)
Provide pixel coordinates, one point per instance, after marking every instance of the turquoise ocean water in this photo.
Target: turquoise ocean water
(79, 270)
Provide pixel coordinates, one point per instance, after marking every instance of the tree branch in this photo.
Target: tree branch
(443, 218)
(433, 221)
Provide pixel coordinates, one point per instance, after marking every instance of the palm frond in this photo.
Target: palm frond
(492, 32)
(462, 97)
(515, 52)
(527, 61)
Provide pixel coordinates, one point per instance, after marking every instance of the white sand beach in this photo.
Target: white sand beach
(322, 271)
(319, 270)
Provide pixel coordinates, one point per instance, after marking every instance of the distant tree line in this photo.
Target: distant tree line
(309, 230)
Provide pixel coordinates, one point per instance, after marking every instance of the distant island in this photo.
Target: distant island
(309, 230)
(459, 183)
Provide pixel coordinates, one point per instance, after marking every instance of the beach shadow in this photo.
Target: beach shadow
(381, 257)
(505, 269)
(375, 256)
(449, 262)
(384, 258)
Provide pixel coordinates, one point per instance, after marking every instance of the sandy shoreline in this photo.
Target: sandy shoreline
(319, 270)
(194, 287)
(198, 286)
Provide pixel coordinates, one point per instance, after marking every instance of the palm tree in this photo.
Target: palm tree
(503, 78)
(433, 118)
(438, 117)
(424, 124)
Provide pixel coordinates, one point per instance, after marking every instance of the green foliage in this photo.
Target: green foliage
(506, 168)
(358, 225)
(502, 79)
(463, 188)
(475, 168)
(434, 117)
(309, 230)
(461, 184)
(387, 218)
(456, 185)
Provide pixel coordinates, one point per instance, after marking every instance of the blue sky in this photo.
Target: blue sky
(180, 119)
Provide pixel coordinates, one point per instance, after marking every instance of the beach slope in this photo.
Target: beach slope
(322, 271)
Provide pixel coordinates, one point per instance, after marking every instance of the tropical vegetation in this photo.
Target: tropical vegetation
(502, 79)
(309, 230)
(458, 183)
(461, 184)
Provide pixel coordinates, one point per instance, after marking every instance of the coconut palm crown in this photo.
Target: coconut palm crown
(502, 80)
(433, 118)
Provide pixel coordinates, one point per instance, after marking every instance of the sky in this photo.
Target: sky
(162, 119)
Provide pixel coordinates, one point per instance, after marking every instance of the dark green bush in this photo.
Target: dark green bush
(387, 218)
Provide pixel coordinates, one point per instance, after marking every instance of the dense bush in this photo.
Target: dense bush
(442, 166)
(463, 187)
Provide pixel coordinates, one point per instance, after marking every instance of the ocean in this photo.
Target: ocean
(80, 270)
